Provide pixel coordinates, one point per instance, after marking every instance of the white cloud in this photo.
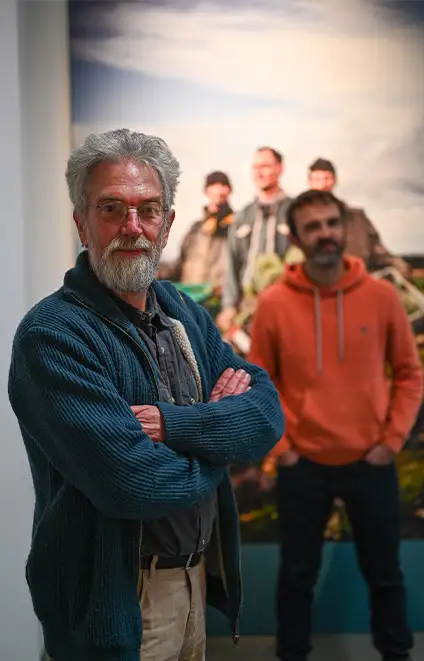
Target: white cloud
(353, 80)
(349, 51)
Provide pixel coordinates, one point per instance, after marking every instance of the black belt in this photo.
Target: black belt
(176, 562)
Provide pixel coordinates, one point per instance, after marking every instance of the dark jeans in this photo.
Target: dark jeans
(305, 495)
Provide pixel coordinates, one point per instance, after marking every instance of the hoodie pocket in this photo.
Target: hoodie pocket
(350, 416)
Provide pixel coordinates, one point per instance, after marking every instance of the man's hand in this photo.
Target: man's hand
(380, 455)
(225, 319)
(230, 383)
(151, 420)
(289, 458)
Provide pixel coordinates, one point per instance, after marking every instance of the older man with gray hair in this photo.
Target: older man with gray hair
(131, 408)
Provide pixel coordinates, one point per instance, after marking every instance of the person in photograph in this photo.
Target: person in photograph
(260, 228)
(203, 253)
(131, 408)
(362, 238)
(339, 348)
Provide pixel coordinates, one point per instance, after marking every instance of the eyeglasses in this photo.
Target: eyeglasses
(115, 212)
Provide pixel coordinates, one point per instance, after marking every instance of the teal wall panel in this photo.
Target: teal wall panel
(341, 597)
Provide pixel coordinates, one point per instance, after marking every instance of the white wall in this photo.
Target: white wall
(36, 246)
(46, 138)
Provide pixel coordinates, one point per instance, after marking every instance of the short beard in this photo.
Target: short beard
(326, 261)
(126, 275)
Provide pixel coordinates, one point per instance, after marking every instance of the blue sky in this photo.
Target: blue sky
(100, 91)
(105, 93)
(311, 77)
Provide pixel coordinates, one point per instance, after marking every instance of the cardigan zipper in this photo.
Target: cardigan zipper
(236, 629)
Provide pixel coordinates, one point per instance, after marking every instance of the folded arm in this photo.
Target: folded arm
(229, 383)
(66, 402)
(236, 429)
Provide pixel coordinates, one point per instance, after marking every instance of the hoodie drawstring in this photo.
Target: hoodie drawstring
(340, 324)
(318, 328)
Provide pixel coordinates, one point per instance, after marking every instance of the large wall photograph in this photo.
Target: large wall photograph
(311, 79)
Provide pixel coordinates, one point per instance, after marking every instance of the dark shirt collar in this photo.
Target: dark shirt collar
(153, 314)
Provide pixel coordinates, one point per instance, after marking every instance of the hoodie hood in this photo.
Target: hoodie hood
(353, 275)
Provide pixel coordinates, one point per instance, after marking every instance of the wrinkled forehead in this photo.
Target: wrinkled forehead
(123, 177)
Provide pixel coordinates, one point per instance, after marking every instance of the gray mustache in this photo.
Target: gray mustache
(132, 244)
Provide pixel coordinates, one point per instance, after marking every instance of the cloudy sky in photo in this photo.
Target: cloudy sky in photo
(311, 78)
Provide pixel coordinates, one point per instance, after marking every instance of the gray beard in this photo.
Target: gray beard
(126, 275)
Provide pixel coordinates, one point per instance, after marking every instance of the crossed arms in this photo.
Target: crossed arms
(230, 383)
(71, 413)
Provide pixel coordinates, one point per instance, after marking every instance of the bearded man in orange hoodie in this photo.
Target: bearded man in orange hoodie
(338, 345)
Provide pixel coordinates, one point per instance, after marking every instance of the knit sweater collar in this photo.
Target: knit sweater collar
(82, 284)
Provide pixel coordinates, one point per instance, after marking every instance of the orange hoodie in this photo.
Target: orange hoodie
(327, 350)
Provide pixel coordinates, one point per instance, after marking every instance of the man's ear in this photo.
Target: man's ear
(80, 225)
(168, 228)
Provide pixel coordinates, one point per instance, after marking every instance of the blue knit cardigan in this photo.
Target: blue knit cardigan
(77, 366)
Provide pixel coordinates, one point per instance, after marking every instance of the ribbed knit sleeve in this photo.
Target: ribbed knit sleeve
(237, 429)
(64, 399)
